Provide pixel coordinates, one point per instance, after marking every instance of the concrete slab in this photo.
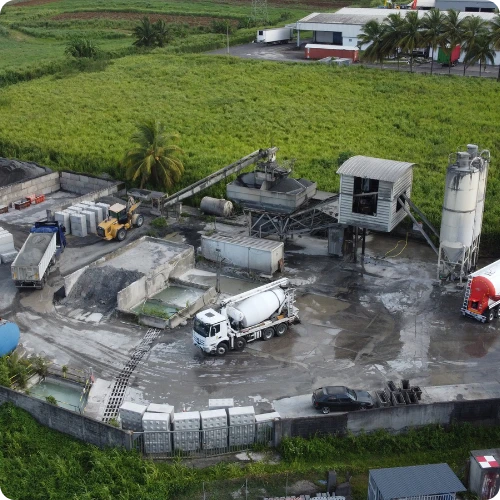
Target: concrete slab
(28, 216)
(461, 392)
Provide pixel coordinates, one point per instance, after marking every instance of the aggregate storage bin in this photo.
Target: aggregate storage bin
(241, 425)
(157, 435)
(320, 51)
(186, 427)
(214, 429)
(131, 416)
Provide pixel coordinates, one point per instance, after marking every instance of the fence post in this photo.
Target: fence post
(278, 432)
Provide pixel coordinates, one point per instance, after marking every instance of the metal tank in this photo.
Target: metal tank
(459, 207)
(481, 161)
(213, 206)
(9, 337)
(256, 309)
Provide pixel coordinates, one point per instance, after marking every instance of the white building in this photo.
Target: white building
(344, 26)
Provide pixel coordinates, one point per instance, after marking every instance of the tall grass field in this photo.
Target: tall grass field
(224, 108)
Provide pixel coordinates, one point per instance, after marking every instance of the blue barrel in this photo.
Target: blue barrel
(9, 337)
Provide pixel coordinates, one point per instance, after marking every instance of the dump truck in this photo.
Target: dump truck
(482, 294)
(261, 313)
(38, 254)
(275, 35)
(121, 218)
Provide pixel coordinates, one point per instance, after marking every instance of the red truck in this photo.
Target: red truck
(482, 295)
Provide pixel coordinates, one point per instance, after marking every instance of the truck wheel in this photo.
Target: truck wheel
(221, 349)
(325, 410)
(496, 312)
(268, 334)
(281, 329)
(139, 221)
(490, 315)
(121, 234)
(240, 344)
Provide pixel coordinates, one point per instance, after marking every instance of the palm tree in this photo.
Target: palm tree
(392, 34)
(452, 34)
(433, 26)
(372, 33)
(473, 29)
(154, 157)
(495, 37)
(161, 33)
(481, 51)
(411, 34)
(145, 33)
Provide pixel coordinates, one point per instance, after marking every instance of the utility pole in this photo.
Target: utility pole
(259, 11)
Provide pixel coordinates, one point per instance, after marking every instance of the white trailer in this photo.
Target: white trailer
(257, 254)
(30, 267)
(275, 35)
(260, 313)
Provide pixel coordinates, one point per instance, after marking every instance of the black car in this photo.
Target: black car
(339, 398)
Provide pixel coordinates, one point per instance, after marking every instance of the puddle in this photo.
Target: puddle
(170, 300)
(67, 394)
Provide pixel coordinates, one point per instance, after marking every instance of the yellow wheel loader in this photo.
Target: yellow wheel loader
(120, 219)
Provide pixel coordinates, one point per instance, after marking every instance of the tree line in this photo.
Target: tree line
(402, 35)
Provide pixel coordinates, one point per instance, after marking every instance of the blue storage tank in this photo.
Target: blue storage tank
(9, 337)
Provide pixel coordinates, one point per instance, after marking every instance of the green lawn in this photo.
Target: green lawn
(225, 107)
(39, 464)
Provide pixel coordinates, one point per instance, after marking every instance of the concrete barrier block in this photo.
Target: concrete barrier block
(91, 221)
(8, 257)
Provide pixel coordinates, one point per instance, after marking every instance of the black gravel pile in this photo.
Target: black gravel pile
(12, 171)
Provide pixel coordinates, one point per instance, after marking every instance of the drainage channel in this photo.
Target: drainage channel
(121, 383)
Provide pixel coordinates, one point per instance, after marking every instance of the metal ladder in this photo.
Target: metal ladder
(467, 293)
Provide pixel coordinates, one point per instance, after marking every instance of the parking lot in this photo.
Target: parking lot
(361, 325)
(291, 53)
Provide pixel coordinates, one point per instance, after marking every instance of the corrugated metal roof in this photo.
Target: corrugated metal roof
(401, 482)
(360, 16)
(374, 168)
(246, 241)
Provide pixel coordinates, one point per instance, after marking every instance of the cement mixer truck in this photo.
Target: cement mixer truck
(261, 313)
(482, 295)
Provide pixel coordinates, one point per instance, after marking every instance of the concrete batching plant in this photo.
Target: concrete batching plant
(462, 215)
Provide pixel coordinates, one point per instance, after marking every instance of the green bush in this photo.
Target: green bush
(52, 400)
(82, 48)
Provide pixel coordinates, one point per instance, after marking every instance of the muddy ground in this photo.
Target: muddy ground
(361, 325)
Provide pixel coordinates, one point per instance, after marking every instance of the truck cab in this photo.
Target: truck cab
(210, 329)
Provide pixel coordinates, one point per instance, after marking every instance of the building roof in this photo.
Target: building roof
(374, 168)
(360, 16)
(401, 482)
(330, 47)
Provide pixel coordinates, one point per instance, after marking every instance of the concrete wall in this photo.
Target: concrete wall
(157, 278)
(392, 419)
(68, 422)
(83, 184)
(46, 184)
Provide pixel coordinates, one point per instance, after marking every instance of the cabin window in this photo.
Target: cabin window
(365, 196)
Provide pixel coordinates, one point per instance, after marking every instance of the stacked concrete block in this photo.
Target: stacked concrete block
(105, 209)
(214, 429)
(187, 425)
(157, 436)
(97, 212)
(74, 209)
(264, 425)
(131, 416)
(7, 251)
(91, 222)
(78, 224)
(241, 425)
(216, 404)
(160, 408)
(63, 218)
